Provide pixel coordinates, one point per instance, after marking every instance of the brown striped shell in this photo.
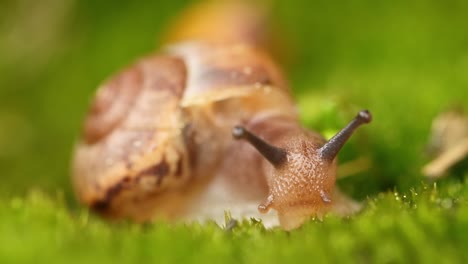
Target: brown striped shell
(160, 128)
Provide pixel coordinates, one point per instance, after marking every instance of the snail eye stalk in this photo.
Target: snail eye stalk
(330, 149)
(275, 155)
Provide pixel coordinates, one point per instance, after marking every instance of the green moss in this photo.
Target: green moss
(404, 60)
(426, 225)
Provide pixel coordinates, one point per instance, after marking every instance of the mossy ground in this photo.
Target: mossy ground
(427, 225)
(404, 60)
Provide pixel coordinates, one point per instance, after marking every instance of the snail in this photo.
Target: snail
(200, 128)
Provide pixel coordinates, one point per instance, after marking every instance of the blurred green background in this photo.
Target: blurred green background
(406, 61)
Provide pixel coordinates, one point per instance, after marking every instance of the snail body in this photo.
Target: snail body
(160, 140)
